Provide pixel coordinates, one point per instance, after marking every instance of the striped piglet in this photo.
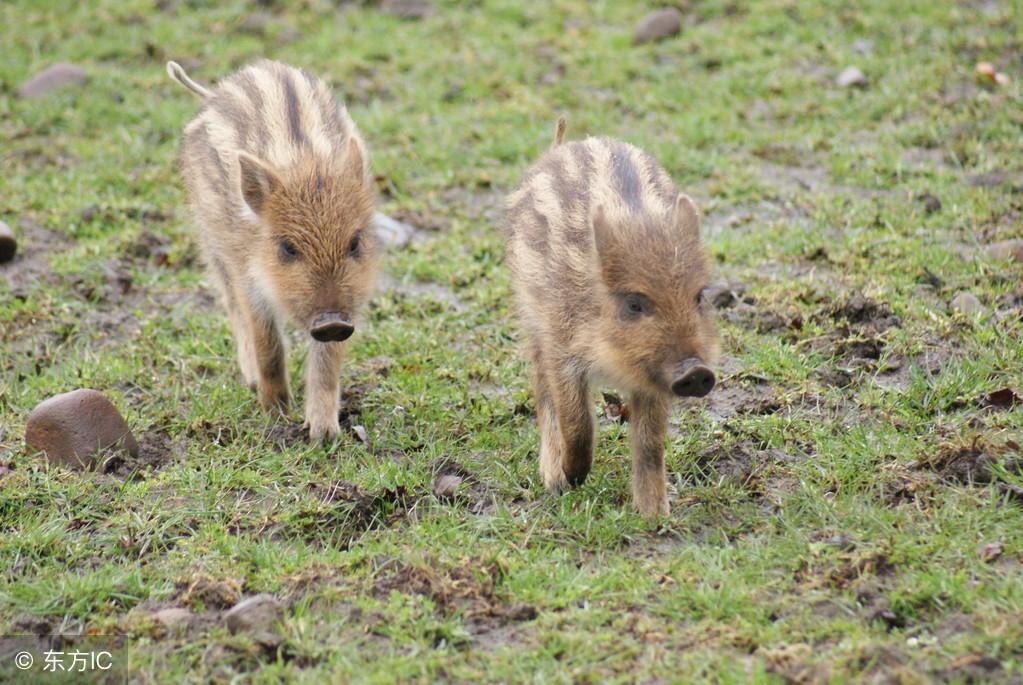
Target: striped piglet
(281, 193)
(609, 276)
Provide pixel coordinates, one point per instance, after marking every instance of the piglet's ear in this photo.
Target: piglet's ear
(258, 181)
(687, 216)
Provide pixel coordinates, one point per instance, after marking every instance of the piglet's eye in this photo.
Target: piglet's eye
(353, 247)
(286, 250)
(635, 305)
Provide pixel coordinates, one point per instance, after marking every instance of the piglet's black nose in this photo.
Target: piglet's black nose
(693, 380)
(331, 327)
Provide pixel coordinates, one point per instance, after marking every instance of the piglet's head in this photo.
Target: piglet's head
(316, 249)
(657, 331)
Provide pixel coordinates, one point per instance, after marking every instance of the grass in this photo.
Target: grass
(832, 498)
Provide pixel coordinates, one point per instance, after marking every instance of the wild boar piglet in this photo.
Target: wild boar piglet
(280, 189)
(609, 276)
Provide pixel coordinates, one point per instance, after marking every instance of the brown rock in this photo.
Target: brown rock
(1007, 250)
(52, 78)
(658, 25)
(254, 614)
(8, 244)
(74, 428)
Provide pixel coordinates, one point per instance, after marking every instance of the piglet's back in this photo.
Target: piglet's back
(550, 240)
(272, 111)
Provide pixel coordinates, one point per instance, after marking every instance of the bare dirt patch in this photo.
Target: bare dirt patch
(30, 269)
(342, 512)
(156, 449)
(468, 589)
(732, 398)
(857, 337)
(203, 591)
(979, 462)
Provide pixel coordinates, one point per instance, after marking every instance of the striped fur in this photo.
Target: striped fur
(279, 185)
(596, 226)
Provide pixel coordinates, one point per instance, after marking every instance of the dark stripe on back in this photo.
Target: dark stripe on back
(575, 191)
(233, 111)
(248, 84)
(625, 178)
(291, 102)
(523, 218)
(202, 146)
(332, 125)
(654, 175)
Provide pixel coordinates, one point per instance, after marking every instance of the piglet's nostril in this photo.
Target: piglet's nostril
(695, 380)
(331, 328)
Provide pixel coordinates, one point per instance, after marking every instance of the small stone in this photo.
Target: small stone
(173, 619)
(254, 614)
(8, 243)
(988, 179)
(256, 23)
(851, 77)
(863, 46)
(1007, 250)
(658, 26)
(392, 232)
(360, 434)
(407, 9)
(75, 428)
(445, 487)
(52, 78)
(966, 303)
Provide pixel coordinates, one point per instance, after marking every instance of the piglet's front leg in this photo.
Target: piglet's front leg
(321, 389)
(271, 362)
(648, 423)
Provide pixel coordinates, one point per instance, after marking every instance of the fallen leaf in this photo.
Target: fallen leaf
(1005, 398)
(361, 434)
(986, 70)
(990, 552)
(615, 409)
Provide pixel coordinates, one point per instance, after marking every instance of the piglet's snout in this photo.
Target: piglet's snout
(331, 327)
(692, 379)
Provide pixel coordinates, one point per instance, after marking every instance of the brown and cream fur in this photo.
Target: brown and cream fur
(280, 189)
(608, 272)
